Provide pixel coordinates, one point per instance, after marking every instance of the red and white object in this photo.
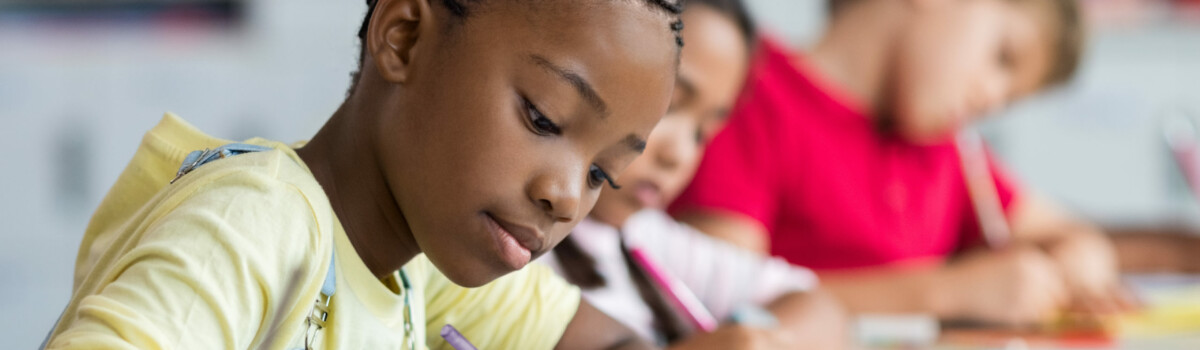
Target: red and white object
(982, 189)
(677, 292)
(1180, 135)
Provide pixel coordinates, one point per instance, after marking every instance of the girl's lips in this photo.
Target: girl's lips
(514, 254)
(648, 195)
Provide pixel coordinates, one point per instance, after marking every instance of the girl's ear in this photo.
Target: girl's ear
(392, 36)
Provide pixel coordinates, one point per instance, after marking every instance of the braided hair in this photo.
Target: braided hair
(460, 10)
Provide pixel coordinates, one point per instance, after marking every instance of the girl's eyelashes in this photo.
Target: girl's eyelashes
(1005, 58)
(540, 124)
(543, 126)
(597, 177)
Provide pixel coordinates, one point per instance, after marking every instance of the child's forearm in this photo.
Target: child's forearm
(1065, 233)
(895, 291)
(815, 318)
(593, 329)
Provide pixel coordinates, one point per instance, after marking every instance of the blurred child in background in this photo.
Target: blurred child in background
(597, 257)
(843, 159)
(474, 138)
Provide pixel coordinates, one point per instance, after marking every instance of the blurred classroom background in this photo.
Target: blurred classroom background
(80, 81)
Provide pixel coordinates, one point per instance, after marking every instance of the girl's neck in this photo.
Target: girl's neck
(854, 53)
(343, 160)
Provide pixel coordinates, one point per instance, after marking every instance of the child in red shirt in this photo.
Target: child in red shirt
(844, 161)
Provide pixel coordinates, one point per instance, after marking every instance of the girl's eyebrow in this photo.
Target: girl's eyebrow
(581, 85)
(687, 86)
(635, 143)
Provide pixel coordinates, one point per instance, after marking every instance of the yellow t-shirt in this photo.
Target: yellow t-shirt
(233, 254)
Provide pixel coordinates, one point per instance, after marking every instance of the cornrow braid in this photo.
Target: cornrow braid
(460, 10)
(675, 9)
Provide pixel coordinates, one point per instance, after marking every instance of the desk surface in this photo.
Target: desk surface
(1171, 343)
(1179, 342)
(1170, 321)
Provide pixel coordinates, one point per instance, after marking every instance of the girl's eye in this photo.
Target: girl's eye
(700, 139)
(1005, 58)
(540, 124)
(597, 177)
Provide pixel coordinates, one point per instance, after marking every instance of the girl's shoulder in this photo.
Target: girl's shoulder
(276, 181)
(252, 230)
(268, 197)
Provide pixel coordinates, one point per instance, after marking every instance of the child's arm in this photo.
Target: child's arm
(593, 329)
(740, 337)
(1019, 285)
(1086, 256)
(815, 317)
(200, 277)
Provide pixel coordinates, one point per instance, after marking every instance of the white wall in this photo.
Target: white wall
(1097, 145)
(75, 100)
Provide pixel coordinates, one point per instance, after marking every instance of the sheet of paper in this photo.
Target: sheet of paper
(1172, 307)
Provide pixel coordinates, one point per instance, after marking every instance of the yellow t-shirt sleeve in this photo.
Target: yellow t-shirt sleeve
(210, 269)
(527, 309)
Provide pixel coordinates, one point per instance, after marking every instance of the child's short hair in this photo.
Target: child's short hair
(1068, 45)
(1065, 20)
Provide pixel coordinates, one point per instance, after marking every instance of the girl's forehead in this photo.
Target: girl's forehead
(626, 50)
(620, 54)
(630, 28)
(1029, 31)
(714, 62)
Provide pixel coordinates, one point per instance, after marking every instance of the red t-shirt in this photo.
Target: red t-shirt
(832, 190)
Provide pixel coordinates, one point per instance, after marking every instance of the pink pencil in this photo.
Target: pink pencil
(981, 187)
(1180, 135)
(675, 290)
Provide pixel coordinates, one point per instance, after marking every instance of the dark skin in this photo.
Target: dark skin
(513, 118)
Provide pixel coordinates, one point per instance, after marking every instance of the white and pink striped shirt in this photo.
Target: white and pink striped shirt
(724, 277)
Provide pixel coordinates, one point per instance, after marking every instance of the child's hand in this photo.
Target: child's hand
(1089, 268)
(1020, 285)
(738, 337)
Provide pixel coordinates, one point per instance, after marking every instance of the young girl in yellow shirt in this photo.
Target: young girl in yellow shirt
(476, 135)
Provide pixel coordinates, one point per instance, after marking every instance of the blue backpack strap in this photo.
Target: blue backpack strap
(330, 285)
(194, 160)
(197, 158)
